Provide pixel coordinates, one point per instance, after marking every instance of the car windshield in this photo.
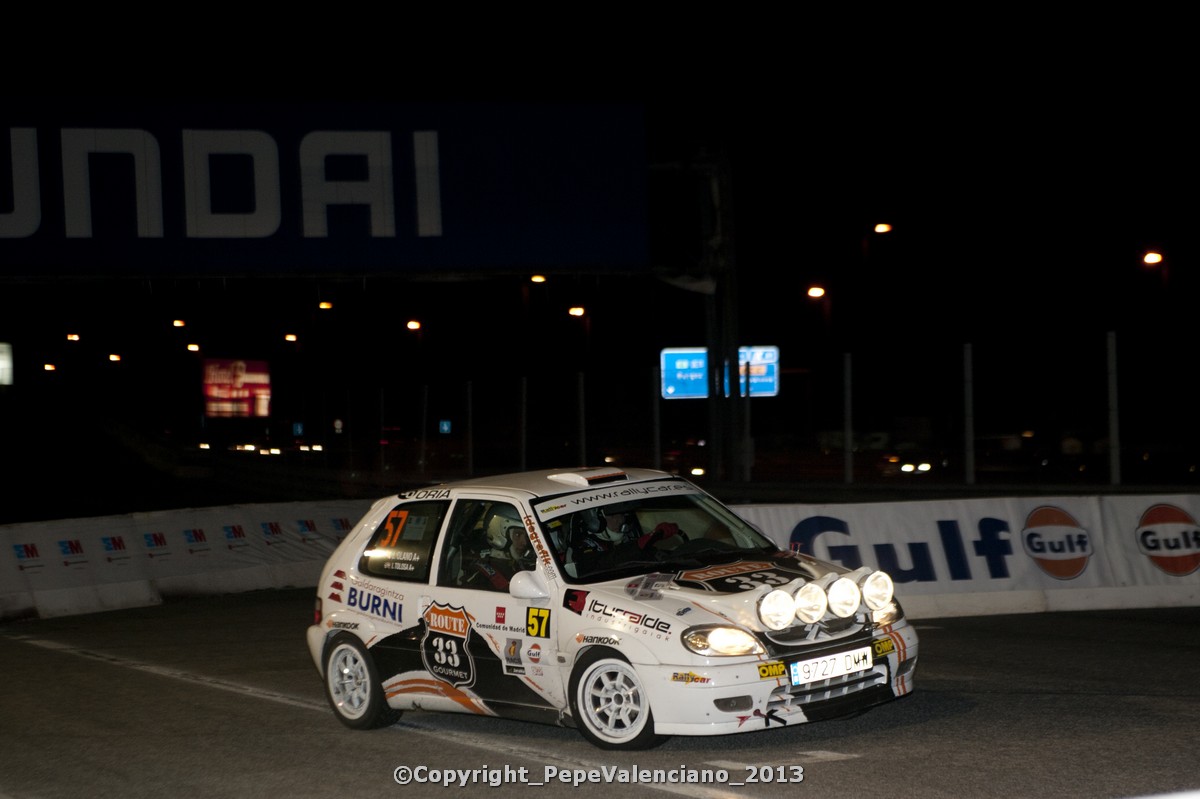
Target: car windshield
(666, 526)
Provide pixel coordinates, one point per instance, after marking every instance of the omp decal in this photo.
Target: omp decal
(1170, 537)
(444, 647)
(1058, 544)
(882, 646)
(537, 622)
(772, 670)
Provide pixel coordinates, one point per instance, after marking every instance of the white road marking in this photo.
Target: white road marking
(488, 743)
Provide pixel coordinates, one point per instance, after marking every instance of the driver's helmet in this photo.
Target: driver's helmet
(504, 519)
(624, 530)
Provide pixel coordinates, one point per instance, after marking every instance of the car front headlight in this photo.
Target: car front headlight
(889, 614)
(710, 641)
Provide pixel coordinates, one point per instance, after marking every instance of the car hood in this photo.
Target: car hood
(726, 592)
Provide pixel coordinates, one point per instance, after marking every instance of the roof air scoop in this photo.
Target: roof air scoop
(589, 477)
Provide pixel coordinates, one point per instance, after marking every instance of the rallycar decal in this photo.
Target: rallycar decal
(690, 678)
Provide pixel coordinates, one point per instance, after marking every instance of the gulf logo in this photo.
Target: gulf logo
(1170, 538)
(1058, 544)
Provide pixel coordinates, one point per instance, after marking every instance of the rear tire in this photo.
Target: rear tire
(609, 703)
(352, 685)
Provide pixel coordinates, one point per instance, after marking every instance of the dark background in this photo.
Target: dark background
(1024, 173)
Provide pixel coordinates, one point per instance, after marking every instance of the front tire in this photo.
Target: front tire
(352, 685)
(610, 704)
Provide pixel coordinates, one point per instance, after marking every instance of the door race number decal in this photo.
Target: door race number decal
(537, 622)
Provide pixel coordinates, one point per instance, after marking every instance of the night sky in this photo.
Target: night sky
(1024, 181)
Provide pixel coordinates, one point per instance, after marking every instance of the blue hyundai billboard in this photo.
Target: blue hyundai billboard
(129, 189)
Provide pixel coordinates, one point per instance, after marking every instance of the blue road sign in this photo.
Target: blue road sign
(684, 372)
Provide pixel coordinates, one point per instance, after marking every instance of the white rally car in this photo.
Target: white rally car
(629, 604)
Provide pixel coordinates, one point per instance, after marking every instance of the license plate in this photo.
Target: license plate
(824, 668)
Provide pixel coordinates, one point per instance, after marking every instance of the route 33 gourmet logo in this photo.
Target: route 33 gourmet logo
(444, 647)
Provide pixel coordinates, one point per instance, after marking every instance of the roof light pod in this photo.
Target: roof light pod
(877, 590)
(811, 603)
(876, 587)
(844, 597)
(776, 609)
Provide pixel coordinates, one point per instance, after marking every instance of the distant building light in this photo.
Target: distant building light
(538, 279)
(290, 337)
(72, 337)
(576, 310)
(325, 306)
(883, 227)
(413, 324)
(178, 323)
(49, 367)
(193, 348)
(114, 357)
(816, 291)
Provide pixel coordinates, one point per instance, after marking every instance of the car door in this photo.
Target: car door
(493, 646)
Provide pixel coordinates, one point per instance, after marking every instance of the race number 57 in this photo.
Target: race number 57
(537, 622)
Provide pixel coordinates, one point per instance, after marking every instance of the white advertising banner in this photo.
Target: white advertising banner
(80, 566)
(947, 558)
(88, 565)
(1015, 555)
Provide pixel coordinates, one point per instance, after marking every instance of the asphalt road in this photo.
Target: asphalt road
(217, 697)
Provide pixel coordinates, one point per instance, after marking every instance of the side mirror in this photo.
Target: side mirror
(528, 585)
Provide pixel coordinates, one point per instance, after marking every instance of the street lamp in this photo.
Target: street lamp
(1153, 260)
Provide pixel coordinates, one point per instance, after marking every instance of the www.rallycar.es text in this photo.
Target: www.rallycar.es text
(553, 775)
